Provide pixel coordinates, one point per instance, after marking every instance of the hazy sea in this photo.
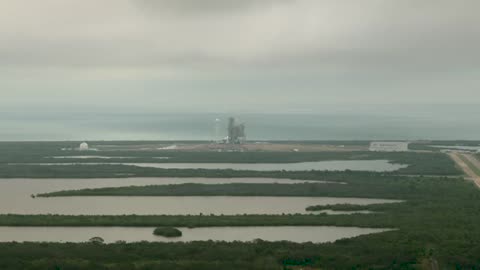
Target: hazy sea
(446, 122)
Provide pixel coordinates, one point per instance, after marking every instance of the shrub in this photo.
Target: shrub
(167, 232)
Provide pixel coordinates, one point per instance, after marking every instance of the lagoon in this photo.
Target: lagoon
(331, 165)
(15, 198)
(299, 234)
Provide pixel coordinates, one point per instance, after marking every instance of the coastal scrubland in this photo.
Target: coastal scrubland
(436, 222)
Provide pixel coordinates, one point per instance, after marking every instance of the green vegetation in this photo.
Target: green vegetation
(419, 164)
(167, 232)
(36, 152)
(240, 189)
(96, 240)
(119, 171)
(193, 221)
(437, 222)
(427, 145)
(258, 255)
(346, 207)
(361, 185)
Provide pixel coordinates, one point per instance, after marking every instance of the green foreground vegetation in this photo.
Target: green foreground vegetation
(258, 255)
(437, 223)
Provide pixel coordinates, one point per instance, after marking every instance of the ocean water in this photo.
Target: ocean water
(439, 122)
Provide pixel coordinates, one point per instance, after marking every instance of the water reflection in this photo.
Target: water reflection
(316, 234)
(15, 198)
(332, 165)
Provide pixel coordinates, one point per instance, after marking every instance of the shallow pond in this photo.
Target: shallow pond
(15, 198)
(332, 165)
(100, 157)
(316, 234)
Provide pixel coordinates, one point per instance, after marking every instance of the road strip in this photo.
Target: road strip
(459, 159)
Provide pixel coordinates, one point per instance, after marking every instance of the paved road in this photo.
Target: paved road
(457, 157)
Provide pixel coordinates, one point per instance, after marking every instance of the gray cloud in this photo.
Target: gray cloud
(360, 50)
(194, 7)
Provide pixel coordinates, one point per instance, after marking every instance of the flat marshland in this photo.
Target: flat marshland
(421, 212)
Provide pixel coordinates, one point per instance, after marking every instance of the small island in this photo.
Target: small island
(167, 232)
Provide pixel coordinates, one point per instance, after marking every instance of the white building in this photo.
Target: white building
(83, 146)
(389, 146)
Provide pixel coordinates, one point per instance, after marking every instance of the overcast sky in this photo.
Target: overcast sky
(237, 55)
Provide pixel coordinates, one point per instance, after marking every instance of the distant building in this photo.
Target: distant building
(236, 132)
(83, 146)
(389, 146)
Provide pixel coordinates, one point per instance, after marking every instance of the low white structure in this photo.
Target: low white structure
(83, 147)
(389, 146)
(170, 147)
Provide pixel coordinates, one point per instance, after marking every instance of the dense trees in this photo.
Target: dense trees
(389, 250)
(357, 185)
(167, 232)
(96, 240)
(34, 152)
(437, 222)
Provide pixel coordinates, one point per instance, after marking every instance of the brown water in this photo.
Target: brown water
(15, 199)
(316, 234)
(331, 165)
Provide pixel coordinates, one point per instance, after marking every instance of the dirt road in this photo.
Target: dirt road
(470, 172)
(475, 162)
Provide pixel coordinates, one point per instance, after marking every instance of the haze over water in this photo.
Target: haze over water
(438, 122)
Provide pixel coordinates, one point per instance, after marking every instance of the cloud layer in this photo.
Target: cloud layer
(304, 52)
